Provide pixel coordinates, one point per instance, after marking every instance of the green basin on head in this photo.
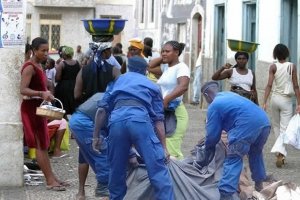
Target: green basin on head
(239, 45)
(104, 26)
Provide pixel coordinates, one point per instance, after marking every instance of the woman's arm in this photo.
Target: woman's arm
(50, 86)
(78, 86)
(26, 76)
(180, 89)
(154, 66)
(296, 87)
(268, 88)
(253, 88)
(116, 73)
(59, 69)
(222, 73)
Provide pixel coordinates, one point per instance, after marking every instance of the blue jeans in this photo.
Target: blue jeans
(233, 163)
(124, 134)
(82, 127)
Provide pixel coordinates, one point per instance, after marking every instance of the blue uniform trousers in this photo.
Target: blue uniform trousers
(82, 127)
(233, 163)
(140, 133)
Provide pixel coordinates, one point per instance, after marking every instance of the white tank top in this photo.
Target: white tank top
(243, 81)
(281, 77)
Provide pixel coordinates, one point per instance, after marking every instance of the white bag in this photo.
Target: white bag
(292, 133)
(289, 89)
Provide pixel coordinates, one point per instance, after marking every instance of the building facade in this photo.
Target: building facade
(267, 22)
(205, 25)
(59, 21)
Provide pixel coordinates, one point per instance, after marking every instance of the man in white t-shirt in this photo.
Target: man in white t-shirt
(50, 70)
(197, 81)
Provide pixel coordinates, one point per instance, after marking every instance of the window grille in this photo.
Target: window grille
(50, 16)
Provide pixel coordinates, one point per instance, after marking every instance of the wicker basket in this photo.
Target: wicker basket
(51, 114)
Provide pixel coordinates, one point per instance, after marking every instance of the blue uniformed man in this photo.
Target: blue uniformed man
(248, 128)
(135, 106)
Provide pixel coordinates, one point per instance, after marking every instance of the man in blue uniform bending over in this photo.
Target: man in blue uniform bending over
(248, 128)
(134, 104)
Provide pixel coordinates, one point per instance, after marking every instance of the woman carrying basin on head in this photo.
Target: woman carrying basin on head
(241, 78)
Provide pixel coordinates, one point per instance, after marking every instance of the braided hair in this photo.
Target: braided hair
(176, 46)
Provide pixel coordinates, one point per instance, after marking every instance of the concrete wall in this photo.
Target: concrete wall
(11, 140)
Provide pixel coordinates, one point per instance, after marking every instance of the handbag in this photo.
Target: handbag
(289, 89)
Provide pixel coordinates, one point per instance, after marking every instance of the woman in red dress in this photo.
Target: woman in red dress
(34, 84)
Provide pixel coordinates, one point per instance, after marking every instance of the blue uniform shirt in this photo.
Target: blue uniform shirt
(134, 86)
(236, 115)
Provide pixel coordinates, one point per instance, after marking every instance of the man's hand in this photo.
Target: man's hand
(167, 155)
(205, 155)
(96, 144)
(264, 107)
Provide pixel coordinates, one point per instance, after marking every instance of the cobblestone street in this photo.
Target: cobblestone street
(66, 168)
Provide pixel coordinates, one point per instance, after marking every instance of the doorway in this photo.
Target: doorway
(219, 37)
(249, 30)
(289, 28)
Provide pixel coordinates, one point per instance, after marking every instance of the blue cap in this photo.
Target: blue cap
(209, 84)
(137, 64)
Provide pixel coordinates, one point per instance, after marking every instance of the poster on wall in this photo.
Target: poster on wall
(12, 28)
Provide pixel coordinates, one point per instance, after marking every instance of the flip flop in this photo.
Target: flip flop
(64, 183)
(56, 188)
(62, 156)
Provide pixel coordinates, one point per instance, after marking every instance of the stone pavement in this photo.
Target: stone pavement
(66, 168)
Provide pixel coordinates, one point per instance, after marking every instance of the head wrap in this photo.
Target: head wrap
(99, 62)
(104, 45)
(137, 64)
(68, 51)
(136, 42)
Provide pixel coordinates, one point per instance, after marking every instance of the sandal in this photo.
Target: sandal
(280, 160)
(56, 188)
(64, 183)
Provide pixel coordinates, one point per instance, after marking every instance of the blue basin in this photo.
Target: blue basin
(104, 26)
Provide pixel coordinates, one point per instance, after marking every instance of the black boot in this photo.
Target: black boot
(101, 190)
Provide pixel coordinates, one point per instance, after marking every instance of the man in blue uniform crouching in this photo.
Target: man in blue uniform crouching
(248, 128)
(135, 104)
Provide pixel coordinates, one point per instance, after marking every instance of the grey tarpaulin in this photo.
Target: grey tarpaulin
(189, 182)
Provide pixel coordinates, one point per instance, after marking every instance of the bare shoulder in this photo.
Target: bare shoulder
(28, 69)
(273, 68)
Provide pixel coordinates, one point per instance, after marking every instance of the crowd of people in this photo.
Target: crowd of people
(126, 108)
